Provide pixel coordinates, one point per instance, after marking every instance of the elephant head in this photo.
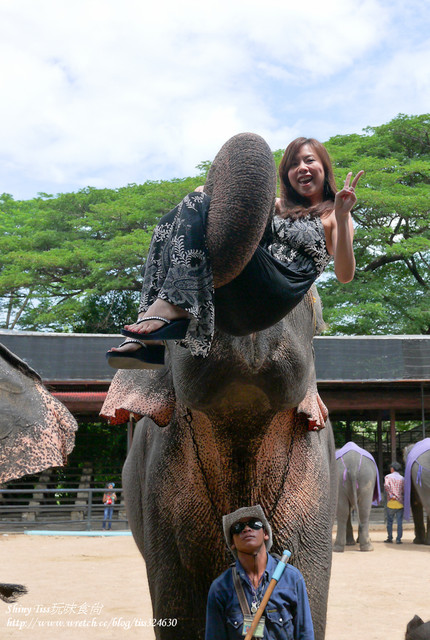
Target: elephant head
(273, 369)
(36, 430)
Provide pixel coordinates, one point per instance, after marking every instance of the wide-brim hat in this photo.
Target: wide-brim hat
(246, 512)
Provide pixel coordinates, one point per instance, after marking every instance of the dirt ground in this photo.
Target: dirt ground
(95, 588)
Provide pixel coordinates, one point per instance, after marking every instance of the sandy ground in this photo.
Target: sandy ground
(95, 588)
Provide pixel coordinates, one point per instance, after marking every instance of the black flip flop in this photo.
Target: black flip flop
(147, 357)
(174, 330)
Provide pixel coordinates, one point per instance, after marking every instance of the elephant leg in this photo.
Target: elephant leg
(132, 487)
(364, 538)
(178, 622)
(342, 515)
(418, 516)
(428, 530)
(349, 531)
(364, 506)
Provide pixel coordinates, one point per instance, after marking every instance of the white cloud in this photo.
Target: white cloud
(104, 93)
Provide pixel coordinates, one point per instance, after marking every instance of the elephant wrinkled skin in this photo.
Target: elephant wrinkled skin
(241, 426)
(36, 430)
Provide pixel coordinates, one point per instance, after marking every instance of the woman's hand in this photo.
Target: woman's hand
(345, 198)
(200, 188)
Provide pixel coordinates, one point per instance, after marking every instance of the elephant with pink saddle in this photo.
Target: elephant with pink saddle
(358, 488)
(243, 426)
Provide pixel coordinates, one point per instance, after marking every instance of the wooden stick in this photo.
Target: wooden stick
(275, 578)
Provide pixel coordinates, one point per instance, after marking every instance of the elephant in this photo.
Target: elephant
(36, 430)
(358, 488)
(243, 426)
(417, 488)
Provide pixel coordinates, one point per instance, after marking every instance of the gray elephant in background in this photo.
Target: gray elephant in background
(417, 488)
(242, 426)
(358, 488)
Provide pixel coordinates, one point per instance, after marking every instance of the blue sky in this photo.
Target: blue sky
(104, 93)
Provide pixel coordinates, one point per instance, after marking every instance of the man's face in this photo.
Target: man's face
(251, 537)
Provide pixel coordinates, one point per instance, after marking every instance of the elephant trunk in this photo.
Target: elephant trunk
(242, 185)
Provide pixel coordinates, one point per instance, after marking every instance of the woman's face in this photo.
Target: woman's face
(306, 174)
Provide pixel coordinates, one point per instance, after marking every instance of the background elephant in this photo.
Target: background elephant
(417, 488)
(36, 430)
(358, 488)
(240, 428)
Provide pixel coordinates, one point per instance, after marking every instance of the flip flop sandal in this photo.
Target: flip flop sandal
(147, 357)
(174, 330)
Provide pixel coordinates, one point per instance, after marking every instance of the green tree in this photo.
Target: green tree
(390, 291)
(73, 262)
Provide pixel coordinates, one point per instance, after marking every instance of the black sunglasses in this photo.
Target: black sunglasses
(240, 526)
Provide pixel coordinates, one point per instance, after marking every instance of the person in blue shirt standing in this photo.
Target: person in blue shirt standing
(235, 595)
(109, 498)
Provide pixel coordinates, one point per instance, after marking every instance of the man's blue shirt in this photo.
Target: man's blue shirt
(288, 615)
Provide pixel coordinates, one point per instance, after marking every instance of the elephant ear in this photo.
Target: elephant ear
(138, 393)
(36, 430)
(242, 185)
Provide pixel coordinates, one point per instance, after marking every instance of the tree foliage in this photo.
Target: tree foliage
(390, 291)
(73, 262)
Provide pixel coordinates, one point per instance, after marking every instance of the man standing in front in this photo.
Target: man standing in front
(235, 596)
(393, 485)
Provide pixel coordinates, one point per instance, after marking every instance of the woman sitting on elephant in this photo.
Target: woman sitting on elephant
(311, 223)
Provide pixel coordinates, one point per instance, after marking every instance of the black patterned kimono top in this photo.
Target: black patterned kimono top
(291, 255)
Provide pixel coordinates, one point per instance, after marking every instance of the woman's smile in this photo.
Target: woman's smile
(306, 174)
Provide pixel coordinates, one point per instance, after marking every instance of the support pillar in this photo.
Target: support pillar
(393, 435)
(348, 432)
(380, 452)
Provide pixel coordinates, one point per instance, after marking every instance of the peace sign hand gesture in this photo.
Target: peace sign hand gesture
(345, 199)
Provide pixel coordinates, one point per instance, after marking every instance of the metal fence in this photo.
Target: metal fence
(59, 508)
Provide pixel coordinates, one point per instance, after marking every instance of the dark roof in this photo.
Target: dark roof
(80, 357)
(372, 358)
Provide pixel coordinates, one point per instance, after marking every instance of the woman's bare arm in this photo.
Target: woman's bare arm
(343, 230)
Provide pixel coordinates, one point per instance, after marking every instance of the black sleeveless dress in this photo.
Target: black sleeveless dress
(290, 257)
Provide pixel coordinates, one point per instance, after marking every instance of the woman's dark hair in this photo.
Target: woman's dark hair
(294, 205)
